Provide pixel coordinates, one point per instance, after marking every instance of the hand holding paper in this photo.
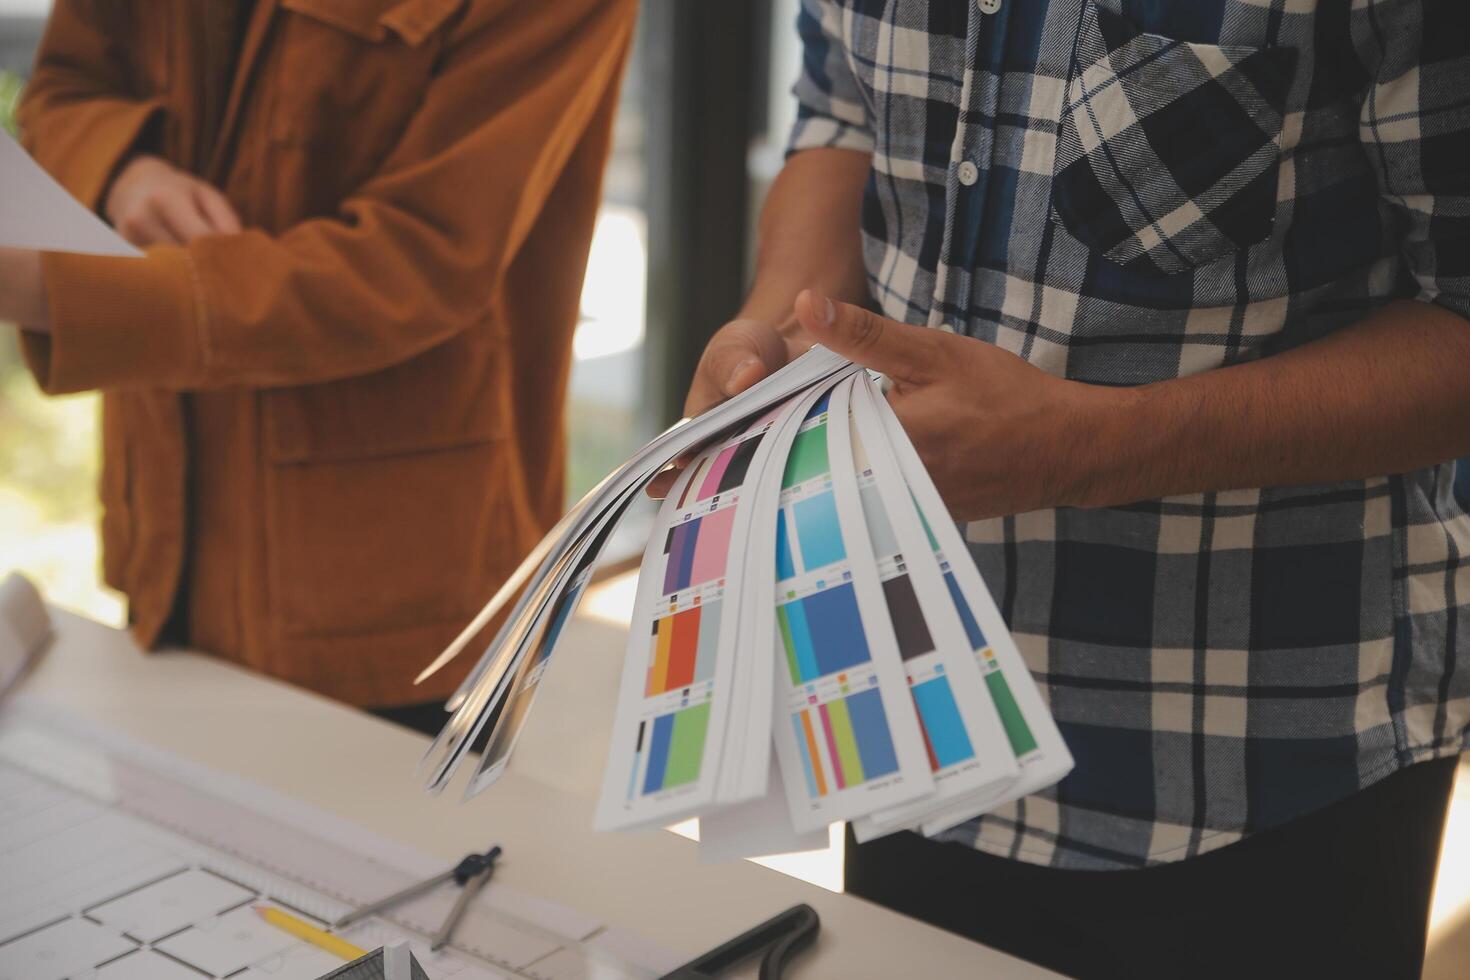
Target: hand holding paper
(997, 435)
(803, 589)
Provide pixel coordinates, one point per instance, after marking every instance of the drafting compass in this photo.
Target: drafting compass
(470, 875)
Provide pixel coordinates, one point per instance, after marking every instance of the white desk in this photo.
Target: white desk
(360, 769)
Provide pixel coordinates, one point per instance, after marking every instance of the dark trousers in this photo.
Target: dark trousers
(1343, 893)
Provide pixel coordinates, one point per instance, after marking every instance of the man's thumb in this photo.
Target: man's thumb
(900, 350)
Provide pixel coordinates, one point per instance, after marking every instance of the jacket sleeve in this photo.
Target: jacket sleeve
(407, 261)
(80, 117)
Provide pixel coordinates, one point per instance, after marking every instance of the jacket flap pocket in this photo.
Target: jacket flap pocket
(447, 397)
(371, 20)
(416, 20)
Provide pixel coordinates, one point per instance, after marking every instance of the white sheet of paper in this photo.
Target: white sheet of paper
(166, 906)
(85, 818)
(756, 828)
(68, 947)
(37, 212)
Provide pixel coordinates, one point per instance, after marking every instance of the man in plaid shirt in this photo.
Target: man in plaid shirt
(1195, 277)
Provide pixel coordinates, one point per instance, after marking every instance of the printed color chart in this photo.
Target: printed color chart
(724, 473)
(844, 742)
(698, 549)
(1011, 717)
(944, 731)
(684, 646)
(675, 748)
(822, 634)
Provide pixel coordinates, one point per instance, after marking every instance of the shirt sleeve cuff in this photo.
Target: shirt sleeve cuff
(815, 131)
(117, 323)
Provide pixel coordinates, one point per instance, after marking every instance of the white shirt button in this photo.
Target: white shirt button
(968, 173)
(989, 6)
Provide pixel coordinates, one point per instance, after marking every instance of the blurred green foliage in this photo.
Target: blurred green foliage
(48, 469)
(10, 86)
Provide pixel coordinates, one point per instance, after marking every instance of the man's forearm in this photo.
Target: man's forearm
(1388, 395)
(810, 234)
(810, 238)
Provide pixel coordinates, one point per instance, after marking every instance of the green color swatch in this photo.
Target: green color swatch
(789, 646)
(808, 456)
(933, 542)
(686, 748)
(1022, 741)
(847, 750)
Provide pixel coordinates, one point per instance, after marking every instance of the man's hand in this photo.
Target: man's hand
(997, 435)
(154, 203)
(740, 353)
(22, 295)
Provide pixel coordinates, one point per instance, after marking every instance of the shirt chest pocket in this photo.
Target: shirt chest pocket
(1168, 155)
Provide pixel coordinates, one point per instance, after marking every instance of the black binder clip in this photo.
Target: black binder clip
(781, 938)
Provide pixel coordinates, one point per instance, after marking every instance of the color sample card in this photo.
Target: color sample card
(724, 472)
(851, 742)
(746, 775)
(1031, 735)
(962, 733)
(945, 737)
(844, 742)
(1018, 733)
(675, 748)
(696, 550)
(679, 679)
(578, 537)
(684, 648)
(506, 724)
(892, 698)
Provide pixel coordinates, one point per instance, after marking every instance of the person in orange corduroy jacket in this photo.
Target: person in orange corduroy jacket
(333, 388)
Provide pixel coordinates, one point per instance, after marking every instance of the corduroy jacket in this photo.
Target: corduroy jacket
(327, 439)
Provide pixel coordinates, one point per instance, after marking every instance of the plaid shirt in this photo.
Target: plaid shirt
(1124, 192)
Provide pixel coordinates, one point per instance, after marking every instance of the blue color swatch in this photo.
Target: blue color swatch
(870, 729)
(818, 531)
(945, 731)
(658, 753)
(836, 629)
(972, 628)
(784, 568)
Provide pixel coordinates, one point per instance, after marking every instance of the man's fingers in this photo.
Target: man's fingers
(659, 487)
(216, 209)
(742, 353)
(143, 228)
(902, 351)
(178, 212)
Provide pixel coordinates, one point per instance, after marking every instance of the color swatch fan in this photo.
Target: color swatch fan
(811, 641)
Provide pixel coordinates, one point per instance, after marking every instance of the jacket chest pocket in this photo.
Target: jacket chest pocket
(351, 73)
(1168, 155)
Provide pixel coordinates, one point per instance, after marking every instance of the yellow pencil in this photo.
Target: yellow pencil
(287, 922)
